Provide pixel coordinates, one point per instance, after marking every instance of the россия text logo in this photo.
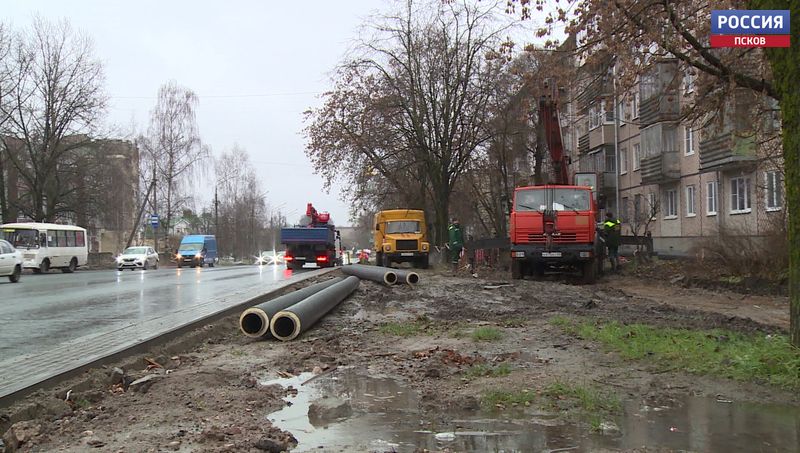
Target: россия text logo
(750, 28)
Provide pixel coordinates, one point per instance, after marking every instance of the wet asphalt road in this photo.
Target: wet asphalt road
(44, 311)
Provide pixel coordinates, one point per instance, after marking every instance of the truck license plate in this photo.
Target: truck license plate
(551, 254)
(406, 254)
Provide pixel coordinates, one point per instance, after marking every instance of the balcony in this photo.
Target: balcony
(583, 144)
(659, 108)
(603, 135)
(727, 151)
(661, 168)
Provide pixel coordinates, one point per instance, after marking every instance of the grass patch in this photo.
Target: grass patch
(757, 358)
(514, 322)
(486, 334)
(501, 398)
(420, 326)
(481, 370)
(584, 398)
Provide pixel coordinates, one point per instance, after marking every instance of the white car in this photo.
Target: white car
(140, 257)
(10, 261)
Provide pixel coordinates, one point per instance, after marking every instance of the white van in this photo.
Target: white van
(45, 246)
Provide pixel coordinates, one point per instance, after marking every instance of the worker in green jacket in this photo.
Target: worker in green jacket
(455, 242)
(611, 233)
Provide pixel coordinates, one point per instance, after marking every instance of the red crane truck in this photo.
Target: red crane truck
(312, 242)
(553, 226)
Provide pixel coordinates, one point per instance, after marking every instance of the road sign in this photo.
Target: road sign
(154, 220)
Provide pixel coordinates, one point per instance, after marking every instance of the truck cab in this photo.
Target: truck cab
(401, 235)
(553, 226)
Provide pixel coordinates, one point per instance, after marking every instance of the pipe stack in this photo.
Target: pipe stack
(378, 274)
(254, 322)
(410, 277)
(291, 322)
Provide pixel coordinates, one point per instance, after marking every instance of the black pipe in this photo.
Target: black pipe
(291, 322)
(410, 277)
(375, 273)
(254, 322)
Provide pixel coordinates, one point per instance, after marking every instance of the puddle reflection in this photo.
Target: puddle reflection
(386, 417)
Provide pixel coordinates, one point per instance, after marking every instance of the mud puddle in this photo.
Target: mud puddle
(383, 415)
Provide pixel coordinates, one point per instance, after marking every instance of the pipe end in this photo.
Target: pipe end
(412, 278)
(390, 278)
(254, 323)
(285, 326)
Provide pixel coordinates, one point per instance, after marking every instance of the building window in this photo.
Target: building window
(740, 195)
(688, 82)
(774, 191)
(622, 112)
(628, 111)
(652, 205)
(690, 201)
(671, 204)
(635, 104)
(595, 115)
(624, 209)
(637, 156)
(637, 207)
(611, 162)
(688, 140)
(623, 160)
(711, 198)
(608, 112)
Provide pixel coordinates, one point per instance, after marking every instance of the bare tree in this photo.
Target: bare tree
(242, 205)
(172, 147)
(51, 100)
(430, 84)
(639, 32)
(645, 212)
(5, 51)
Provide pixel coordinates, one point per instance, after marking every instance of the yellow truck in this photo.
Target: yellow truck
(401, 235)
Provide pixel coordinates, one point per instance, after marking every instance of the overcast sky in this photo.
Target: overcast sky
(255, 65)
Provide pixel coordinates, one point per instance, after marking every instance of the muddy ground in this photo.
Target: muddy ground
(208, 393)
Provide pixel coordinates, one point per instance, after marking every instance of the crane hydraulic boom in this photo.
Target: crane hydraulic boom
(548, 118)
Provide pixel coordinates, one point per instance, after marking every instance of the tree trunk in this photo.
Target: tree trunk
(3, 201)
(786, 69)
(441, 210)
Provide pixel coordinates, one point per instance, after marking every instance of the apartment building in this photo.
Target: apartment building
(677, 180)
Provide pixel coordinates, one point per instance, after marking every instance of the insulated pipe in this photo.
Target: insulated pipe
(291, 322)
(254, 322)
(410, 277)
(375, 273)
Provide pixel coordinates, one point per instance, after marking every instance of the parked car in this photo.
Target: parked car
(10, 261)
(140, 257)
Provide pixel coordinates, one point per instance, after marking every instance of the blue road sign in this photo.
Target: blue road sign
(154, 220)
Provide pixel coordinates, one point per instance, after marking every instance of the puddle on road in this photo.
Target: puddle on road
(386, 418)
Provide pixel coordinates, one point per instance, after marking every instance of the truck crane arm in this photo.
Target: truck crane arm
(548, 119)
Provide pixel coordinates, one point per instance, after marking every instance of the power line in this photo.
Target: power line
(231, 96)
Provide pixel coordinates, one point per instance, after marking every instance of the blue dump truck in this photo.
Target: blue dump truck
(312, 242)
(197, 250)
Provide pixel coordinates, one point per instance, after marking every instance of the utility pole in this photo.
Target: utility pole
(141, 210)
(155, 208)
(216, 216)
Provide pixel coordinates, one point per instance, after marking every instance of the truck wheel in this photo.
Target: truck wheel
(423, 262)
(516, 270)
(379, 259)
(589, 271)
